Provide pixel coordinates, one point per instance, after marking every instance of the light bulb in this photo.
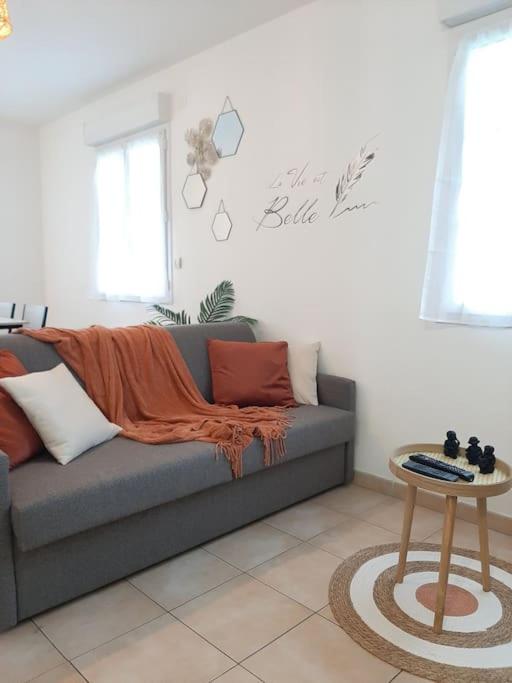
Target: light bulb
(5, 24)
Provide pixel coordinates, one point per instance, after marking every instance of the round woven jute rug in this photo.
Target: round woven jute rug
(394, 621)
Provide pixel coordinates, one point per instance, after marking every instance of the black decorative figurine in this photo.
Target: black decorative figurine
(451, 445)
(473, 451)
(487, 460)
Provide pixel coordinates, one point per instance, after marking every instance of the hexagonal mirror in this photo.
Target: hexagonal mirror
(194, 191)
(228, 131)
(221, 226)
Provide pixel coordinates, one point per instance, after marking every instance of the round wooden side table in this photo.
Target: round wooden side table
(484, 486)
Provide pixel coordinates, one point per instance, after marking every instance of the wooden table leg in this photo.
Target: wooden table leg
(484, 542)
(410, 501)
(444, 567)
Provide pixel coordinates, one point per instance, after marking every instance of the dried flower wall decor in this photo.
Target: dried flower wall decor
(203, 155)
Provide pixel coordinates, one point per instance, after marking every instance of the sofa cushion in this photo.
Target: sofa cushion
(18, 439)
(122, 477)
(191, 340)
(250, 374)
(66, 419)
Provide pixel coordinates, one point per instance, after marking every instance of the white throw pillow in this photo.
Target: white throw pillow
(302, 366)
(60, 411)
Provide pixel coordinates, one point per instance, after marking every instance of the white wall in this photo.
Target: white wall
(311, 86)
(21, 268)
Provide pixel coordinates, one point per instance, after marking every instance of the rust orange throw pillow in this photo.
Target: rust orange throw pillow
(18, 439)
(250, 373)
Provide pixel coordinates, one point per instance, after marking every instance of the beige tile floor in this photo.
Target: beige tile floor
(248, 607)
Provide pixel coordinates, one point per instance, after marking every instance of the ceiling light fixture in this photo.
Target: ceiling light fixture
(5, 23)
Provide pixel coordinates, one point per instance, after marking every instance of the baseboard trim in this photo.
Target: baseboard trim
(433, 501)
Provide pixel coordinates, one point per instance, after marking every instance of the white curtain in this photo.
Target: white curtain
(132, 240)
(468, 277)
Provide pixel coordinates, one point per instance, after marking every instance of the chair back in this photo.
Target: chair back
(35, 315)
(7, 310)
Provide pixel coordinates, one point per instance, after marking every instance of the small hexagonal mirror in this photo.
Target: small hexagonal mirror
(194, 191)
(221, 226)
(228, 131)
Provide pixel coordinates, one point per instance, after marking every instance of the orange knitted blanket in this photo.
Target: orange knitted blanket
(139, 380)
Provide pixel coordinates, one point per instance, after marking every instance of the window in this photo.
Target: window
(132, 242)
(469, 268)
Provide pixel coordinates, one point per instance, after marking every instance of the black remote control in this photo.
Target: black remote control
(429, 471)
(444, 466)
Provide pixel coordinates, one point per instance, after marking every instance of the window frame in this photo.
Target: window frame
(438, 304)
(120, 143)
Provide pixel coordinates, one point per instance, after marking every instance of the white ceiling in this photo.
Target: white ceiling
(65, 52)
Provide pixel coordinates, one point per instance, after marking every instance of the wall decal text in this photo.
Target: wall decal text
(289, 207)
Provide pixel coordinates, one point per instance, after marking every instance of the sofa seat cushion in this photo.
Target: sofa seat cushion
(123, 477)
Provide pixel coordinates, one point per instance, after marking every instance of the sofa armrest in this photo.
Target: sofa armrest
(8, 607)
(5, 497)
(337, 392)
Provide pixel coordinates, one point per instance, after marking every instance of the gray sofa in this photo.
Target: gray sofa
(122, 506)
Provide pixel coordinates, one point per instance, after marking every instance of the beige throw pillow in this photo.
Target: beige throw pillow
(302, 367)
(60, 411)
